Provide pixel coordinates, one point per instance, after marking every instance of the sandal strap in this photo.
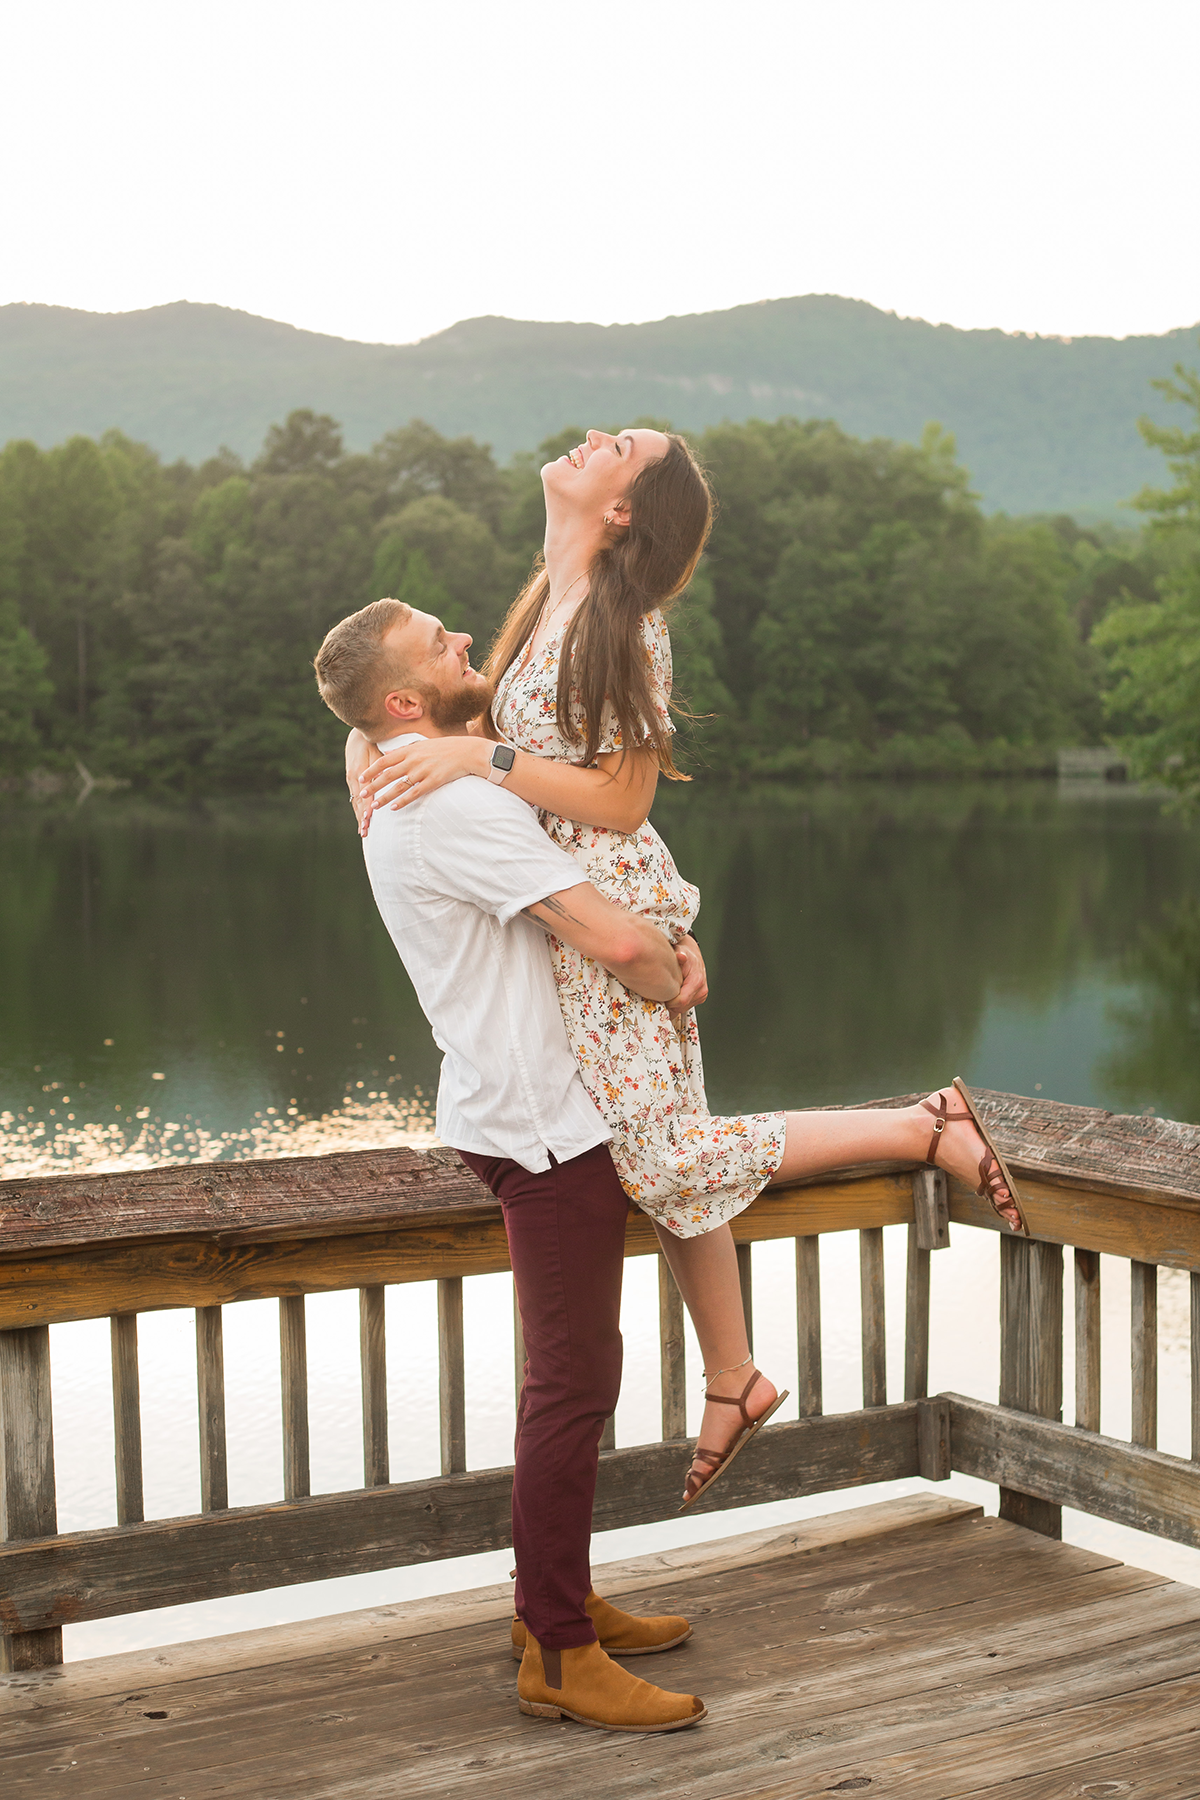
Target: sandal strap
(714, 1458)
(740, 1401)
(942, 1117)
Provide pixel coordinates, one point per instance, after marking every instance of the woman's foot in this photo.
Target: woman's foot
(958, 1146)
(724, 1423)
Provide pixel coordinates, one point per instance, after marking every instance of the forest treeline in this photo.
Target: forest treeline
(856, 613)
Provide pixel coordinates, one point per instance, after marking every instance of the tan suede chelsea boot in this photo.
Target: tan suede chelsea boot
(620, 1633)
(586, 1685)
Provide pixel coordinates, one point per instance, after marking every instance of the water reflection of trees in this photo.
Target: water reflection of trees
(856, 933)
(1157, 1059)
(191, 938)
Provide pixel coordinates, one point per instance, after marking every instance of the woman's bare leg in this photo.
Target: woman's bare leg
(705, 1267)
(818, 1141)
(706, 1274)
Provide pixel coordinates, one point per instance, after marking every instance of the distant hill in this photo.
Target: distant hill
(1043, 424)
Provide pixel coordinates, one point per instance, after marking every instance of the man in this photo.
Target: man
(468, 884)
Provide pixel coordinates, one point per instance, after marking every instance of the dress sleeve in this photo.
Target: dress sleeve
(656, 641)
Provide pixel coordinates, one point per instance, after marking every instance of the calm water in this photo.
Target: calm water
(215, 981)
(861, 940)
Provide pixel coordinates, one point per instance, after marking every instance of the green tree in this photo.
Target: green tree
(24, 688)
(1153, 649)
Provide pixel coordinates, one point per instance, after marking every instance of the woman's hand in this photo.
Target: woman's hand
(360, 753)
(411, 770)
(695, 978)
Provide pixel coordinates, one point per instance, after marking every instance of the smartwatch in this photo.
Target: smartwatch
(503, 758)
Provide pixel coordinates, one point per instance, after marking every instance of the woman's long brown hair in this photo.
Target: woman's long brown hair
(603, 657)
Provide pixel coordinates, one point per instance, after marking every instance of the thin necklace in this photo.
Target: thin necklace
(544, 614)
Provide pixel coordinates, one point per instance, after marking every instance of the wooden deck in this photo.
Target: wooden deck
(912, 1650)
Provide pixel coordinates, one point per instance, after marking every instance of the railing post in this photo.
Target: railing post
(746, 1283)
(372, 1355)
(808, 1326)
(210, 1403)
(929, 1231)
(1087, 1339)
(671, 1354)
(1031, 1358)
(293, 1384)
(874, 1320)
(27, 1503)
(1143, 1352)
(452, 1384)
(127, 1418)
(1195, 1345)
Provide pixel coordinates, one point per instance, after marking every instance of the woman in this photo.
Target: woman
(582, 676)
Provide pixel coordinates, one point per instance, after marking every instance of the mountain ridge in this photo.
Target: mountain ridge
(1044, 424)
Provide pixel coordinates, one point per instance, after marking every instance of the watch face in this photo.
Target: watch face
(503, 757)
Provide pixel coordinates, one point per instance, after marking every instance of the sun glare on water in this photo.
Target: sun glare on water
(378, 1121)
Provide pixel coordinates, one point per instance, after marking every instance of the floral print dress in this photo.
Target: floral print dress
(690, 1171)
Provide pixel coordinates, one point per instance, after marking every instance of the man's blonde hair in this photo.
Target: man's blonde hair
(354, 672)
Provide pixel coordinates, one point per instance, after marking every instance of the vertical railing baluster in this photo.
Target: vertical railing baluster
(210, 1397)
(1195, 1289)
(1087, 1339)
(1143, 1350)
(452, 1381)
(746, 1283)
(1014, 1322)
(671, 1354)
(808, 1326)
(874, 1323)
(518, 1346)
(1046, 1330)
(916, 1320)
(27, 1504)
(293, 1382)
(127, 1418)
(1031, 1357)
(929, 1231)
(372, 1356)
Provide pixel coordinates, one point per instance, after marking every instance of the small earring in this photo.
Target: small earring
(608, 518)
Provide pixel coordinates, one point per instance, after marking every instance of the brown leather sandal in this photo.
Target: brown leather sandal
(718, 1460)
(993, 1170)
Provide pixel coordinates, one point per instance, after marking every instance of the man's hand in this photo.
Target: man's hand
(694, 991)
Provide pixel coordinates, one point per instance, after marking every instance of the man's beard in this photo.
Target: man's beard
(459, 708)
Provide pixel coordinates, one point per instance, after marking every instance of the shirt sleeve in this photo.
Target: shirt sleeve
(485, 846)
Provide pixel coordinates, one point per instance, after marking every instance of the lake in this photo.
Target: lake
(181, 982)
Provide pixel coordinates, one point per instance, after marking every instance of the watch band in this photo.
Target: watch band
(502, 759)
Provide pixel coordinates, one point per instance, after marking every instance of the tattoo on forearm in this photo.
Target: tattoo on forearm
(554, 907)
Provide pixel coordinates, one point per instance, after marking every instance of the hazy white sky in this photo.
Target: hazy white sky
(379, 169)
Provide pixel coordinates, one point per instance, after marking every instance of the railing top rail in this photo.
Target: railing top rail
(1152, 1160)
(1132, 1156)
(291, 1197)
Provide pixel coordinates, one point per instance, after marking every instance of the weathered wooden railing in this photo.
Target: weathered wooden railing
(202, 1236)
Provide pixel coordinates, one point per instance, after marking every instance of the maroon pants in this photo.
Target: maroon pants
(566, 1239)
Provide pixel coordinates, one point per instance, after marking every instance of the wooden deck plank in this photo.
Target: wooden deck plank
(359, 1730)
(943, 1662)
(365, 1629)
(1168, 1769)
(233, 1716)
(839, 1592)
(988, 1760)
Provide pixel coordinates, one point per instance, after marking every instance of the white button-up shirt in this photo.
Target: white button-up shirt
(450, 874)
